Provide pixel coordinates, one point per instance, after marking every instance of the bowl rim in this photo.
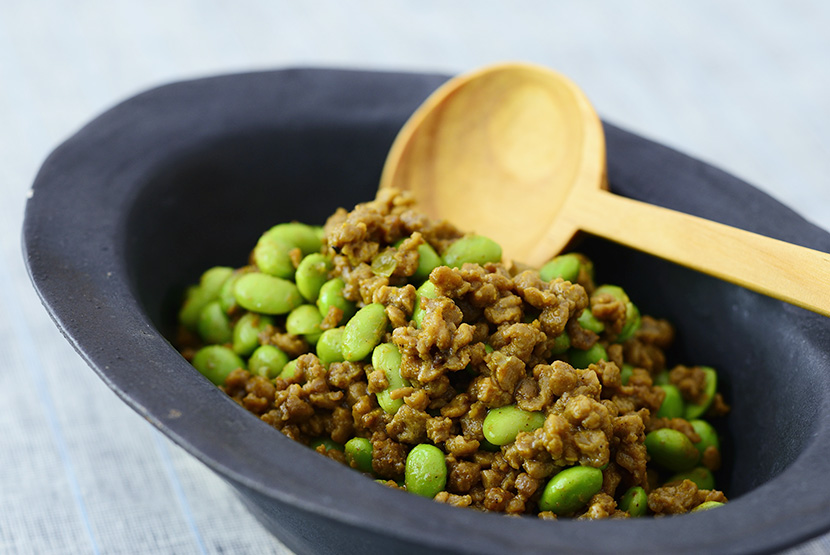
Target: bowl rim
(73, 188)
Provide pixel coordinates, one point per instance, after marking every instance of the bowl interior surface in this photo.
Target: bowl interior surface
(292, 146)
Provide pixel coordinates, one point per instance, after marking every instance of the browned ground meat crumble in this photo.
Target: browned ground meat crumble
(591, 418)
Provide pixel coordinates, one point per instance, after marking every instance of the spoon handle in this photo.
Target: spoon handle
(781, 270)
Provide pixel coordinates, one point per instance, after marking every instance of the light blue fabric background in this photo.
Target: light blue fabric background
(743, 85)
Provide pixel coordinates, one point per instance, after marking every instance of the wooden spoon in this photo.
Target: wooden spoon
(525, 141)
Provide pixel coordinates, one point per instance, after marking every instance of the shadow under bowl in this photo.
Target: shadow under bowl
(139, 202)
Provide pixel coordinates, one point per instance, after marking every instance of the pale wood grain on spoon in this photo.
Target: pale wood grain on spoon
(516, 152)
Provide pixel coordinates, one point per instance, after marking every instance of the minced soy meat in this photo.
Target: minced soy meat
(549, 344)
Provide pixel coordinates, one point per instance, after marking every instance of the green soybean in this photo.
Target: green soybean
(331, 294)
(672, 406)
(246, 332)
(330, 345)
(571, 489)
(503, 424)
(662, 378)
(226, 299)
(428, 260)
(632, 313)
(561, 344)
(273, 257)
(625, 373)
(210, 283)
(215, 362)
(633, 321)
(584, 358)
(387, 357)
(565, 266)
(297, 235)
(289, 371)
(475, 249)
(700, 475)
(425, 471)
(708, 435)
(427, 290)
(590, 322)
(214, 325)
(267, 361)
(359, 454)
(267, 294)
(328, 443)
(311, 274)
(671, 449)
(706, 505)
(363, 332)
(634, 501)
(696, 410)
(305, 320)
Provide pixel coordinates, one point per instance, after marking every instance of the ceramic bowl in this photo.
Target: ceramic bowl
(134, 206)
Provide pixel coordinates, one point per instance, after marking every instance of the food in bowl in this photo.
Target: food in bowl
(409, 351)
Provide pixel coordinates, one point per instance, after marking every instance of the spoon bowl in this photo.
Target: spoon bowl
(516, 152)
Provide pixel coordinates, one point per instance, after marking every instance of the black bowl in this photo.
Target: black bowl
(132, 208)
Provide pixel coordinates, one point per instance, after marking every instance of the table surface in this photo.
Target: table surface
(742, 85)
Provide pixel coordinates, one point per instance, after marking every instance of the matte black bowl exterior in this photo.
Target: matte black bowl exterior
(145, 197)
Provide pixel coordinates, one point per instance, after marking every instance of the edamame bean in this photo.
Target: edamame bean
(708, 435)
(246, 332)
(662, 378)
(625, 373)
(387, 357)
(359, 454)
(328, 443)
(706, 505)
(428, 260)
(305, 320)
(565, 266)
(289, 371)
(226, 297)
(427, 290)
(696, 410)
(634, 501)
(583, 359)
(331, 294)
(571, 489)
(311, 274)
(267, 361)
(266, 294)
(632, 313)
(215, 362)
(330, 345)
(700, 475)
(671, 449)
(475, 249)
(363, 332)
(561, 344)
(633, 321)
(210, 283)
(213, 279)
(503, 424)
(273, 257)
(297, 235)
(590, 322)
(672, 406)
(425, 471)
(214, 326)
